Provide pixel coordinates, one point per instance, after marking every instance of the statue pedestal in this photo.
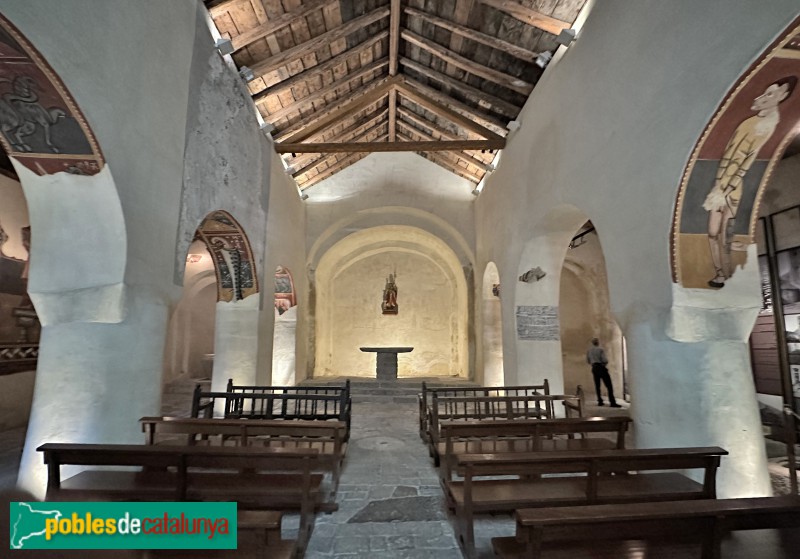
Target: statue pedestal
(387, 360)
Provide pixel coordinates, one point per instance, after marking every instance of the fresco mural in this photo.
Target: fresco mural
(285, 297)
(41, 127)
(717, 206)
(19, 325)
(233, 258)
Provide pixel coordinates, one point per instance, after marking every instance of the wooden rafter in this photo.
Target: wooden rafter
(348, 134)
(461, 13)
(352, 147)
(361, 137)
(275, 24)
(500, 78)
(527, 15)
(428, 138)
(477, 36)
(327, 66)
(444, 161)
(412, 117)
(339, 165)
(308, 47)
(394, 36)
(319, 95)
(354, 103)
(392, 114)
(487, 100)
(446, 112)
(492, 123)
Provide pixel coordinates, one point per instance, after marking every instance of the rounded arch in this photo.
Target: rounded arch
(432, 303)
(284, 336)
(231, 254)
(716, 209)
(492, 327)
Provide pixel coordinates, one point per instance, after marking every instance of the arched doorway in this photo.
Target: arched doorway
(584, 313)
(285, 331)
(190, 343)
(492, 327)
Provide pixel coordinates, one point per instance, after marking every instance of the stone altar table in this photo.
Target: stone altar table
(387, 360)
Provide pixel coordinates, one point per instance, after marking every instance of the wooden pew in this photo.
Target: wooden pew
(321, 390)
(425, 398)
(484, 408)
(275, 478)
(326, 437)
(712, 519)
(276, 406)
(599, 477)
(540, 435)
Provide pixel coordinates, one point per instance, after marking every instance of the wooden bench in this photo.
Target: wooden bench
(322, 390)
(425, 398)
(274, 478)
(541, 435)
(483, 408)
(711, 519)
(276, 406)
(598, 477)
(326, 437)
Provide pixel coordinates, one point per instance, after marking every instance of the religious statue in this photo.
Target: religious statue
(389, 305)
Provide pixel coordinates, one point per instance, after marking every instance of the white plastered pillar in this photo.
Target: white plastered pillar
(694, 386)
(236, 343)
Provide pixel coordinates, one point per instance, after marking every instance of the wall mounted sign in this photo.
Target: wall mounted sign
(538, 323)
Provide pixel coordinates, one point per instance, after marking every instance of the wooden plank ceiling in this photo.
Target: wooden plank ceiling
(341, 78)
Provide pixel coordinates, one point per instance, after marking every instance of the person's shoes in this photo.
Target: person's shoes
(716, 284)
(600, 404)
(615, 405)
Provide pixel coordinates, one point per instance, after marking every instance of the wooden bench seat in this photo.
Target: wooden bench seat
(598, 476)
(326, 437)
(711, 519)
(545, 435)
(273, 478)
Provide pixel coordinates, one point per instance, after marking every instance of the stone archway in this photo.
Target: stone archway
(492, 327)
(432, 303)
(284, 337)
(236, 324)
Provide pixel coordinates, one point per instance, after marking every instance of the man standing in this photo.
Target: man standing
(596, 357)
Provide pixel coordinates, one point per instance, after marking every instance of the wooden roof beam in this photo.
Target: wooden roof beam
(527, 15)
(346, 134)
(318, 162)
(392, 114)
(477, 36)
(298, 51)
(338, 166)
(394, 36)
(353, 104)
(505, 80)
(352, 147)
(492, 123)
(428, 138)
(486, 100)
(446, 112)
(326, 66)
(319, 95)
(278, 23)
(448, 164)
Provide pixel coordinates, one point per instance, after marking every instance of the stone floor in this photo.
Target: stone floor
(390, 501)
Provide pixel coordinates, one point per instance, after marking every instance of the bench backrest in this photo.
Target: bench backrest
(181, 458)
(272, 405)
(595, 464)
(321, 389)
(482, 408)
(245, 429)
